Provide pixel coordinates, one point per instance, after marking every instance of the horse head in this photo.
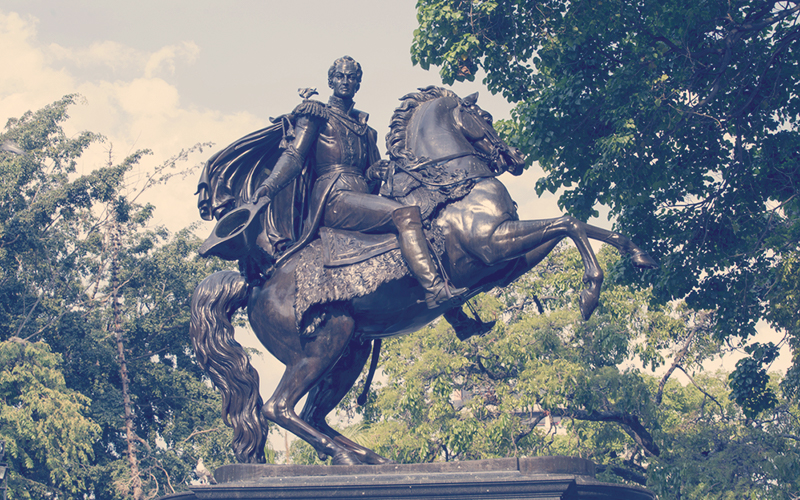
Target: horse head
(436, 124)
(477, 126)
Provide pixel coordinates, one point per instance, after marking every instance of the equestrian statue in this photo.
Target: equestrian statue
(338, 249)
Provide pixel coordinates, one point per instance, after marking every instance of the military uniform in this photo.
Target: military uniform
(334, 141)
(338, 146)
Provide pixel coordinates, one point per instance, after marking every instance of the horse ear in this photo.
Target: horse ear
(471, 99)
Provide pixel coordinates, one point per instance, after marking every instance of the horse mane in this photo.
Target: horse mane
(396, 138)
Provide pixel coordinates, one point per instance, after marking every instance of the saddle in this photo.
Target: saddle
(341, 247)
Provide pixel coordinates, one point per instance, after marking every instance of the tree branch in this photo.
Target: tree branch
(629, 423)
(624, 473)
(700, 388)
(675, 364)
(197, 433)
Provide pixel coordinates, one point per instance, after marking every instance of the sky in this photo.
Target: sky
(165, 75)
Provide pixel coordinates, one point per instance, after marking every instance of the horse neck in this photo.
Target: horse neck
(432, 131)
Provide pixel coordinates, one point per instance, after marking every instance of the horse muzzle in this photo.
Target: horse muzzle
(514, 161)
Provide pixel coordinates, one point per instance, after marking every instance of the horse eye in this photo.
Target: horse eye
(481, 113)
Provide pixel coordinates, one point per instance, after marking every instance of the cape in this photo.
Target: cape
(231, 176)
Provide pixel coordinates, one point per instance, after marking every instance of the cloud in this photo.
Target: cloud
(109, 54)
(137, 111)
(164, 58)
(121, 59)
(26, 77)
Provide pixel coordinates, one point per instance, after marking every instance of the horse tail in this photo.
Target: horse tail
(214, 302)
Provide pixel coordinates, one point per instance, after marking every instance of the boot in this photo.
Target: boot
(414, 248)
(466, 327)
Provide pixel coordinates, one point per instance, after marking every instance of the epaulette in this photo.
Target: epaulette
(311, 108)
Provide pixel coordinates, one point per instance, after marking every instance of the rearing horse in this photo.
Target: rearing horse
(447, 157)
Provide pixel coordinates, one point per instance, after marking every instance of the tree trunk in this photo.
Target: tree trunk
(130, 435)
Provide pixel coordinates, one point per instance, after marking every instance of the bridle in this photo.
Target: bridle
(492, 159)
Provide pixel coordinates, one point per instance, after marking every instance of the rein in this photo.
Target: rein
(411, 171)
(443, 159)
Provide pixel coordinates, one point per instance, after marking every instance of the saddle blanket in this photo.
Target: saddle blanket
(318, 283)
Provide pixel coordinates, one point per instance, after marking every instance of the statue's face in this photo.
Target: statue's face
(344, 80)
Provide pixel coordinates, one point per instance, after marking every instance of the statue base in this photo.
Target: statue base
(506, 478)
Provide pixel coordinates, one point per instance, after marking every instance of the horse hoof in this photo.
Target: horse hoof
(588, 303)
(641, 260)
(345, 458)
(375, 459)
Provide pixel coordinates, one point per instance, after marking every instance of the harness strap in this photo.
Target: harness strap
(411, 171)
(443, 159)
(373, 365)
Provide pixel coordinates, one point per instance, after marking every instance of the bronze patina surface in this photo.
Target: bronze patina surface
(437, 227)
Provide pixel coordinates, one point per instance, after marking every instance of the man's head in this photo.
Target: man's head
(344, 77)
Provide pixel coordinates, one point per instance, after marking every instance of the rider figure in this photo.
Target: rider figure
(335, 140)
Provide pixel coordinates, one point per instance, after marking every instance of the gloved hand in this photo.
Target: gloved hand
(379, 171)
(260, 195)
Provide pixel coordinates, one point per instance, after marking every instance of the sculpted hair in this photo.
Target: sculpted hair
(342, 60)
(396, 138)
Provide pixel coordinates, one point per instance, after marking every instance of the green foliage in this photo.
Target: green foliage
(749, 381)
(77, 258)
(681, 117)
(713, 451)
(552, 384)
(43, 212)
(48, 436)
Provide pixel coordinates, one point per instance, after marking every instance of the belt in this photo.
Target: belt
(338, 169)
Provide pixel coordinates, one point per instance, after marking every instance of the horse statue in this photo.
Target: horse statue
(319, 320)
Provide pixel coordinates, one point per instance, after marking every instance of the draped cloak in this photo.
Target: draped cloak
(231, 176)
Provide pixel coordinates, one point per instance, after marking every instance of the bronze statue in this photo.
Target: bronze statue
(316, 302)
(337, 148)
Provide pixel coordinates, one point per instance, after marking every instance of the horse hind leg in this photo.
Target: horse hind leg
(313, 358)
(331, 390)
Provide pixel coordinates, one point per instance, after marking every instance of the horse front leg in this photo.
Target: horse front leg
(624, 245)
(533, 239)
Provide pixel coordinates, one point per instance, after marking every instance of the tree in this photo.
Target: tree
(44, 214)
(712, 450)
(83, 273)
(171, 414)
(681, 117)
(49, 439)
(544, 382)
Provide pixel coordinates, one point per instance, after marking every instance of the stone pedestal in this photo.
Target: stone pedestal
(508, 478)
